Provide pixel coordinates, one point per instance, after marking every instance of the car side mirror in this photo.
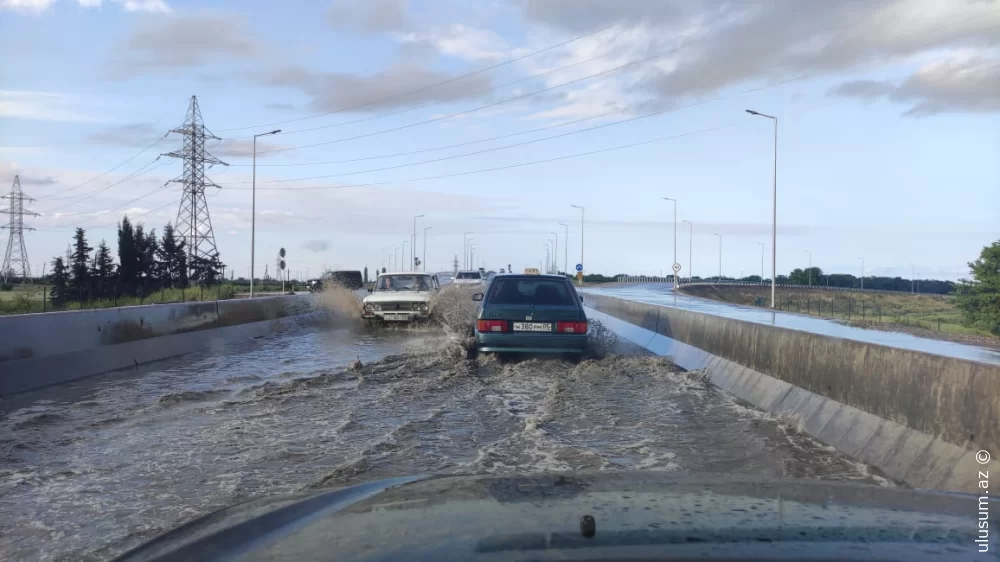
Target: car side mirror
(477, 297)
(581, 298)
(370, 290)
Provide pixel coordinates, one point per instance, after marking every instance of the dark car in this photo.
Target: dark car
(531, 314)
(348, 279)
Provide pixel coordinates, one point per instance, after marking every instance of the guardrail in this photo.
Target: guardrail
(746, 284)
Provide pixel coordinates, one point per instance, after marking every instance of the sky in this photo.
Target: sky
(494, 117)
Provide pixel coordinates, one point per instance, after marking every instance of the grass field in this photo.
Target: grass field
(929, 313)
(24, 299)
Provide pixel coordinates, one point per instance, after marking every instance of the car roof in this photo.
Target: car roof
(531, 276)
(406, 273)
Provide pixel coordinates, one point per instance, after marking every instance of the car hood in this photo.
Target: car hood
(540, 516)
(399, 296)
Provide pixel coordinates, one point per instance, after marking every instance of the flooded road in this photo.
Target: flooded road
(92, 469)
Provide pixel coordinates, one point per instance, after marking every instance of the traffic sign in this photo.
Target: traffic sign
(579, 267)
(677, 267)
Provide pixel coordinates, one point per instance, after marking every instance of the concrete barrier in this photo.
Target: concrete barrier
(920, 418)
(41, 349)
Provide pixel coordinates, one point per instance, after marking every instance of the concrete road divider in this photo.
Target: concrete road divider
(919, 417)
(41, 349)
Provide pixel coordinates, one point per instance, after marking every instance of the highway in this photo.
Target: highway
(663, 294)
(92, 468)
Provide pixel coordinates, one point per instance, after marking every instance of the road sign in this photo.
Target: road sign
(677, 267)
(579, 267)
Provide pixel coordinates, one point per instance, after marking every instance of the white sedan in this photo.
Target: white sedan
(400, 297)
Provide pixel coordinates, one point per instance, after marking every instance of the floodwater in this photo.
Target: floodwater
(662, 294)
(91, 469)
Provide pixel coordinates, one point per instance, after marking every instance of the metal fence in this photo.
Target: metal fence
(791, 286)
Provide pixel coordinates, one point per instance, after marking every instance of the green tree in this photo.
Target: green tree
(172, 259)
(979, 298)
(80, 280)
(59, 279)
(103, 271)
(206, 271)
(128, 259)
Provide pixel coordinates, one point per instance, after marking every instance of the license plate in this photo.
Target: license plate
(396, 317)
(532, 327)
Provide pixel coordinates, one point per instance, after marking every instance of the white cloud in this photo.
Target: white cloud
(461, 41)
(26, 6)
(42, 106)
(151, 6)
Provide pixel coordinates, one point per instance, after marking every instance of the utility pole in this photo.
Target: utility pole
(424, 265)
(810, 267)
(582, 214)
(720, 256)
(674, 201)
(413, 244)
(761, 244)
(15, 261)
(862, 273)
(690, 250)
(565, 249)
(454, 271)
(555, 252)
(193, 221)
(465, 250)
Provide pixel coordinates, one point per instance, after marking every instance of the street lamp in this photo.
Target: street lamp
(472, 256)
(761, 244)
(774, 203)
(413, 244)
(582, 213)
(690, 249)
(402, 258)
(720, 255)
(810, 267)
(253, 207)
(468, 254)
(555, 252)
(675, 240)
(424, 265)
(913, 275)
(565, 248)
(465, 249)
(862, 273)
(395, 261)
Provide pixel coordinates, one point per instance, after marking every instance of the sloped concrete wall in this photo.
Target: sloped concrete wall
(919, 417)
(42, 349)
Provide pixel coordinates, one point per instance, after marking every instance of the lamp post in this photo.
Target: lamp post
(465, 250)
(774, 203)
(674, 201)
(253, 207)
(862, 273)
(395, 260)
(761, 244)
(555, 252)
(413, 244)
(720, 255)
(402, 258)
(565, 247)
(810, 267)
(582, 213)
(690, 249)
(424, 265)
(913, 275)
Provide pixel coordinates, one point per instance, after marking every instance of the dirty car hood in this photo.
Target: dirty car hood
(399, 296)
(638, 514)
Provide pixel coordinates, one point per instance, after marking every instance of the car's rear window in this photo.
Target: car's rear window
(530, 292)
(469, 275)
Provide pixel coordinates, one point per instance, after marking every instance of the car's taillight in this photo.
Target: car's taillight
(572, 327)
(491, 325)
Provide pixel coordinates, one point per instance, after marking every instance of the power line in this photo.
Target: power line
(428, 87)
(498, 168)
(485, 150)
(475, 109)
(433, 103)
(76, 199)
(129, 159)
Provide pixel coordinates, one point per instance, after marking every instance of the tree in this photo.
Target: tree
(145, 251)
(172, 264)
(979, 298)
(59, 279)
(206, 271)
(80, 281)
(102, 271)
(128, 259)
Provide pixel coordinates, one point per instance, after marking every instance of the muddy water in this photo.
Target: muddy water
(88, 474)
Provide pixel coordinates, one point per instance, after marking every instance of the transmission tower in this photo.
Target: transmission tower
(193, 222)
(15, 261)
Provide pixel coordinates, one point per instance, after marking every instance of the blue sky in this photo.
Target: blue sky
(889, 135)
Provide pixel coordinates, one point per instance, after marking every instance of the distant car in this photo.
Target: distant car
(400, 297)
(348, 279)
(471, 277)
(531, 314)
